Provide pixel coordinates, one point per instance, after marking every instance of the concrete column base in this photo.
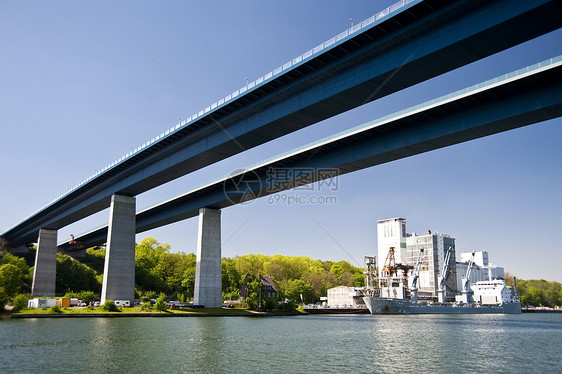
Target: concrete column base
(119, 268)
(208, 276)
(45, 271)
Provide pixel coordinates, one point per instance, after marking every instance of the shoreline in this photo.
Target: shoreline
(125, 315)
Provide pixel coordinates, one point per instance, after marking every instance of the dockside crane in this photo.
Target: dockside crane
(415, 276)
(466, 281)
(443, 276)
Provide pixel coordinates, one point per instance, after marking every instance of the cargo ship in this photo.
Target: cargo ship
(397, 293)
(503, 303)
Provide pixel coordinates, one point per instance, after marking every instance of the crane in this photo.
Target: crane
(466, 280)
(443, 276)
(415, 276)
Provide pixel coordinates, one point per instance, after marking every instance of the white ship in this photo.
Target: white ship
(393, 296)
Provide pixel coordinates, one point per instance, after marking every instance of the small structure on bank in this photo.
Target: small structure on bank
(268, 289)
(345, 296)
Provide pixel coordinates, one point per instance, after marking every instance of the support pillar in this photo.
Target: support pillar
(208, 276)
(45, 270)
(119, 267)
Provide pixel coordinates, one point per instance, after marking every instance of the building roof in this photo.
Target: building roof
(268, 282)
(391, 219)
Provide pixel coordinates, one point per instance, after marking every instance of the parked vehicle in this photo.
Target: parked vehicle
(122, 303)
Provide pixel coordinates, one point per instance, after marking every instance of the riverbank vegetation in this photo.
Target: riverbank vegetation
(162, 275)
(537, 292)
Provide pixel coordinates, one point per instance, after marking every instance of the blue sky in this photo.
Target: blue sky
(80, 87)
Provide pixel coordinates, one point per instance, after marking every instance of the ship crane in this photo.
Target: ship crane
(443, 277)
(466, 280)
(415, 276)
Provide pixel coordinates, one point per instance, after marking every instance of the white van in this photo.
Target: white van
(122, 303)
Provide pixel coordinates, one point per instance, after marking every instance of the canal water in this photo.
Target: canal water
(303, 344)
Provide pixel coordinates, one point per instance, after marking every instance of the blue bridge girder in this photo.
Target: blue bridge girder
(421, 40)
(508, 102)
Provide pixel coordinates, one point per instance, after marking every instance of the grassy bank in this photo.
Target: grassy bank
(137, 312)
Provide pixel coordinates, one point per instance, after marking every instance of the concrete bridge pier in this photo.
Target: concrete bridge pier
(119, 267)
(45, 270)
(208, 280)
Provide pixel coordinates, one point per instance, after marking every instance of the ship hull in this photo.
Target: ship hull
(381, 305)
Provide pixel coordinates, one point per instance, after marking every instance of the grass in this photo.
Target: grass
(137, 310)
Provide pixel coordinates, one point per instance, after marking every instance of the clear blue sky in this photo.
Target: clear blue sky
(79, 88)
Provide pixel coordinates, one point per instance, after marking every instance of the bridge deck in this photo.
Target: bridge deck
(417, 41)
(520, 98)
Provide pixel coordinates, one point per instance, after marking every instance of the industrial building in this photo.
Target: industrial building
(392, 234)
(482, 268)
(407, 247)
(343, 296)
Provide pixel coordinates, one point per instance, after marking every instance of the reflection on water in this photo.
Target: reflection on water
(336, 344)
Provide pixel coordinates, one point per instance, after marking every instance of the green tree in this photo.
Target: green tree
(161, 303)
(358, 280)
(230, 279)
(74, 276)
(109, 306)
(11, 279)
(20, 302)
(3, 298)
(188, 282)
(253, 285)
(295, 288)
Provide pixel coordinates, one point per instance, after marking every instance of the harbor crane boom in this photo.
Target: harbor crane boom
(466, 280)
(415, 276)
(443, 276)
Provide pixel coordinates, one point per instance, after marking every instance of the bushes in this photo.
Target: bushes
(109, 306)
(20, 302)
(161, 303)
(55, 309)
(145, 307)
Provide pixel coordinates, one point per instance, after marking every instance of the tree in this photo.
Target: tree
(230, 279)
(188, 282)
(295, 288)
(3, 298)
(11, 279)
(161, 303)
(20, 302)
(74, 276)
(252, 283)
(109, 306)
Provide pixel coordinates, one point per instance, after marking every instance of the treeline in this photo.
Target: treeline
(158, 270)
(537, 292)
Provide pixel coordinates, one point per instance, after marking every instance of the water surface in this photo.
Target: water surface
(327, 344)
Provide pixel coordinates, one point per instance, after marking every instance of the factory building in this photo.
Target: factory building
(435, 247)
(482, 268)
(392, 234)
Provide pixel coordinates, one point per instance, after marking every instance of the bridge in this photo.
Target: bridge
(408, 43)
(523, 97)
